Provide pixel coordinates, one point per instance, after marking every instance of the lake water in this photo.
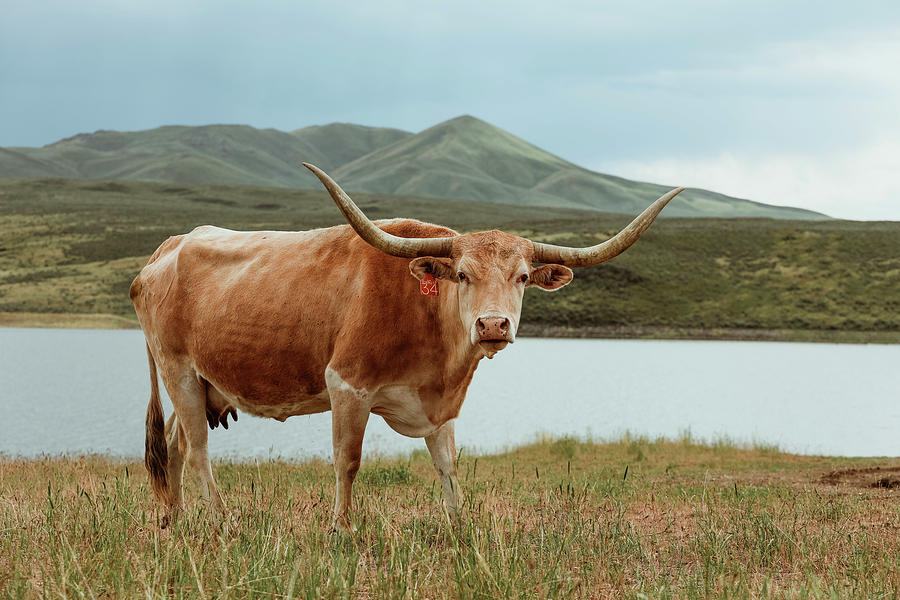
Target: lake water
(77, 391)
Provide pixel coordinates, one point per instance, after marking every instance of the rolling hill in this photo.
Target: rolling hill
(471, 159)
(211, 154)
(463, 158)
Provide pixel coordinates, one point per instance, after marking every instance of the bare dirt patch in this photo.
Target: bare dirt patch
(872, 477)
(886, 482)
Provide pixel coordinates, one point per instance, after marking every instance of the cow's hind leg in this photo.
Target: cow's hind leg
(177, 446)
(188, 395)
(442, 446)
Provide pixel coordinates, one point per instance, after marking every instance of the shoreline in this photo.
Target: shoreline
(659, 332)
(612, 332)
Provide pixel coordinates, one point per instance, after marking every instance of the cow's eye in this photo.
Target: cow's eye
(524, 277)
(462, 276)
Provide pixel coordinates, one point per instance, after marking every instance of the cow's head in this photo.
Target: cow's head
(490, 270)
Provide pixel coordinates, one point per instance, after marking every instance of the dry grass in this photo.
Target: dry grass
(559, 518)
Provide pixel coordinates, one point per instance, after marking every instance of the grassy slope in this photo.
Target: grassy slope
(340, 143)
(221, 154)
(468, 158)
(559, 519)
(70, 246)
(461, 158)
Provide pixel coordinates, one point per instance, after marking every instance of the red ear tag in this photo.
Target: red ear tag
(429, 285)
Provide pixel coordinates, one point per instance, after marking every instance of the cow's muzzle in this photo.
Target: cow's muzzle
(493, 329)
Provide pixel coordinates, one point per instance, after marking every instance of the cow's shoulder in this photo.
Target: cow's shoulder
(210, 247)
(412, 228)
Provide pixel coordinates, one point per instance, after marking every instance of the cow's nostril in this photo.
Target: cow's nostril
(493, 328)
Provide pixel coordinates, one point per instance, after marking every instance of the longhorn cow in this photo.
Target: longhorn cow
(279, 323)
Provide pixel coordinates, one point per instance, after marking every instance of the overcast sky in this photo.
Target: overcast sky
(793, 103)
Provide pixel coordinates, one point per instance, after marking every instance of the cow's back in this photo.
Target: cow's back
(258, 313)
(245, 308)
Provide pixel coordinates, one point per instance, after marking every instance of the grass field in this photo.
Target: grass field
(558, 519)
(72, 247)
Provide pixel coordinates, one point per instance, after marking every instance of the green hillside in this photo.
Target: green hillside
(463, 158)
(73, 246)
(469, 158)
(331, 146)
(213, 154)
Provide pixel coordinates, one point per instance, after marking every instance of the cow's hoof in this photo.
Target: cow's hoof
(342, 526)
(454, 519)
(170, 516)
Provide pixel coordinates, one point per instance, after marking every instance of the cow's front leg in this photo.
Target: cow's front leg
(442, 446)
(349, 415)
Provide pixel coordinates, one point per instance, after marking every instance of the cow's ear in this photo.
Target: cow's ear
(440, 268)
(551, 277)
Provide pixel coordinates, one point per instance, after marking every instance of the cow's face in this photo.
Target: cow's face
(490, 269)
(488, 273)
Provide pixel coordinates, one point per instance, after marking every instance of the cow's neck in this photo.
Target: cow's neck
(461, 353)
(442, 393)
(462, 356)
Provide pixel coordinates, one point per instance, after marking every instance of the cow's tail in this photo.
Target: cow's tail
(156, 454)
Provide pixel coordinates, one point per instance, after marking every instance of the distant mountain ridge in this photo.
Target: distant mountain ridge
(209, 154)
(462, 158)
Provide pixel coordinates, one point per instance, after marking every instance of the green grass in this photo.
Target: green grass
(740, 274)
(637, 518)
(73, 247)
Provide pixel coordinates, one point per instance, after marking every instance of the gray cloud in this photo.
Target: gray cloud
(601, 83)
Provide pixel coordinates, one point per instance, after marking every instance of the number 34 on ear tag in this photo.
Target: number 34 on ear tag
(429, 285)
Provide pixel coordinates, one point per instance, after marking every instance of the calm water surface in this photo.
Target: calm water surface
(76, 391)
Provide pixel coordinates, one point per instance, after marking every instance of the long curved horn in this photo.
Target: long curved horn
(382, 240)
(594, 255)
